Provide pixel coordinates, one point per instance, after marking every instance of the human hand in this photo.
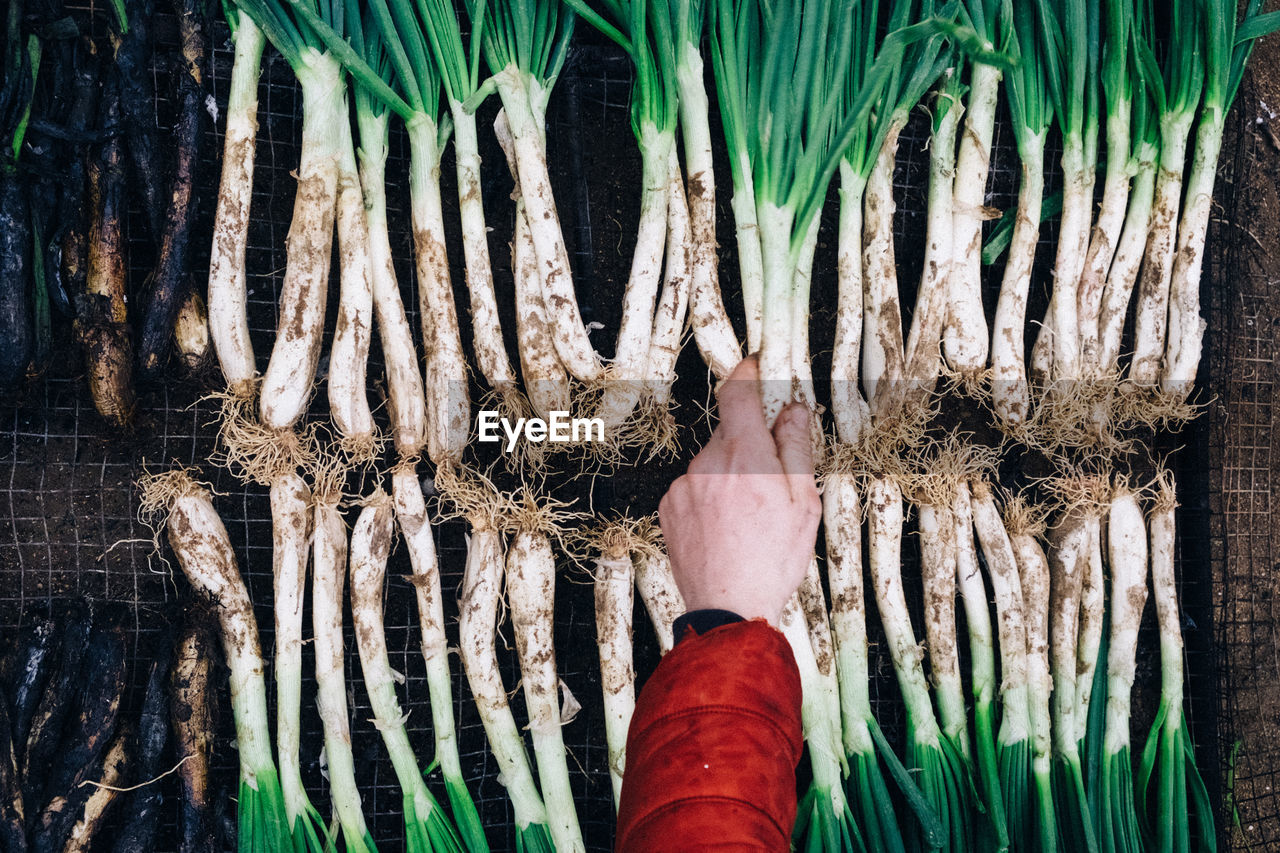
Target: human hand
(741, 524)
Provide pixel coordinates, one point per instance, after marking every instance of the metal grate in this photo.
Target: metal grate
(67, 512)
(1242, 480)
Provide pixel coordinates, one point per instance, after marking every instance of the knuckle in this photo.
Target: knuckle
(677, 494)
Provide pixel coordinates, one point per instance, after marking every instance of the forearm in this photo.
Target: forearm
(713, 745)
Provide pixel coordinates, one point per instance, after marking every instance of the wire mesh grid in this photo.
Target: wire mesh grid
(70, 507)
(1242, 472)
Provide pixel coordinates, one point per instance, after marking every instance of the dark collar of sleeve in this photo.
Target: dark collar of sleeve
(702, 621)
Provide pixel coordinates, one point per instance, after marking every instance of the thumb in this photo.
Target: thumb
(795, 453)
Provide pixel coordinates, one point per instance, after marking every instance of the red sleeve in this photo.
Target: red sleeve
(713, 747)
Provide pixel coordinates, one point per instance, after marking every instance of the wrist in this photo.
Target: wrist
(698, 622)
(743, 605)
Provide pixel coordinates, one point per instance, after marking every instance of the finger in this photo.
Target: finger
(748, 368)
(741, 408)
(664, 512)
(795, 452)
(669, 508)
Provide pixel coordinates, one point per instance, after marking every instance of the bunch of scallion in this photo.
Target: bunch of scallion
(712, 330)
(378, 44)
(869, 179)
(1031, 110)
(525, 45)
(1170, 790)
(1227, 45)
(228, 277)
(781, 77)
(868, 336)
(1030, 749)
(184, 507)
(458, 67)
(644, 30)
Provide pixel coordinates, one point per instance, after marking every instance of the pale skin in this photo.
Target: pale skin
(741, 524)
